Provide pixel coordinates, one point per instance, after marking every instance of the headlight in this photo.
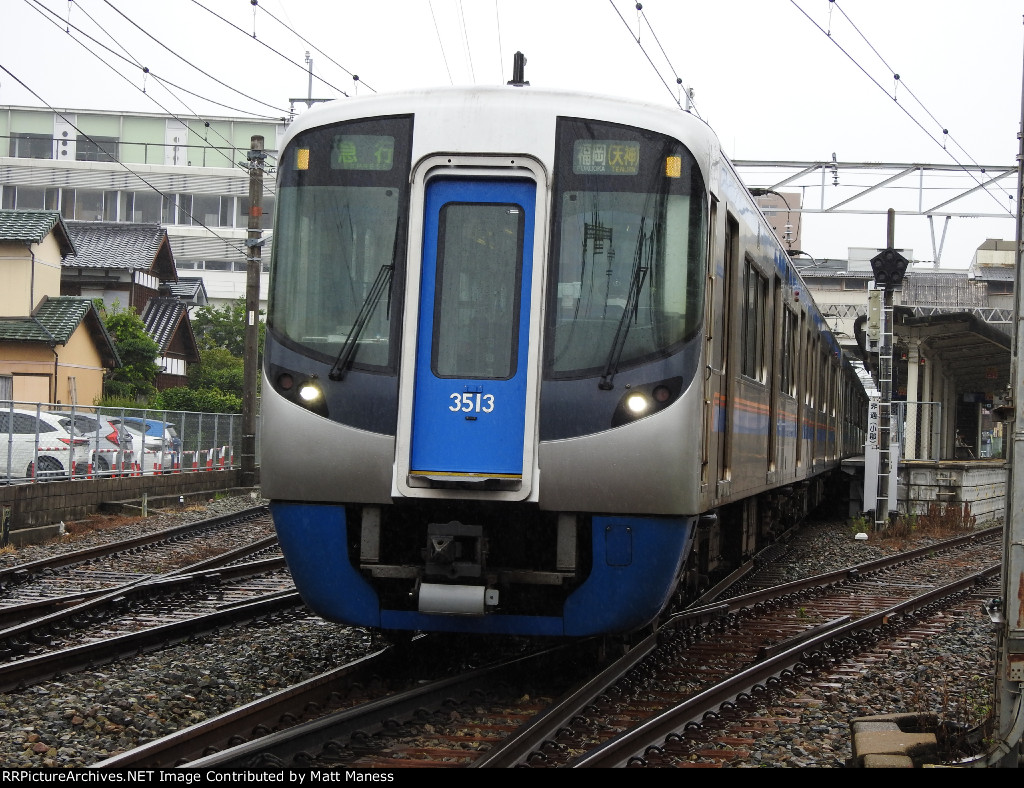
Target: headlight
(309, 392)
(645, 399)
(637, 404)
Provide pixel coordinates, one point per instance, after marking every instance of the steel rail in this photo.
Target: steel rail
(621, 749)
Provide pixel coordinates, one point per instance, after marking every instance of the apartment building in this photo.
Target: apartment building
(189, 175)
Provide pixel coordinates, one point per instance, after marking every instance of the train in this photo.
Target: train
(535, 365)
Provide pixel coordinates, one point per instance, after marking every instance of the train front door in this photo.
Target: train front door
(469, 412)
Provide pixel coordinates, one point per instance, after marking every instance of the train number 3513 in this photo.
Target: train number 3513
(471, 402)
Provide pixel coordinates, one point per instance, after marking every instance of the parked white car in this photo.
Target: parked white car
(37, 446)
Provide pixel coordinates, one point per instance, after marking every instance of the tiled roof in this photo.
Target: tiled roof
(135, 247)
(995, 273)
(191, 290)
(163, 318)
(34, 226)
(55, 321)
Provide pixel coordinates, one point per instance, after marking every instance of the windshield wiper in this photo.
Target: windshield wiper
(641, 265)
(348, 348)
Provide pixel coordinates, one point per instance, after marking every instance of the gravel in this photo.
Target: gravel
(950, 674)
(86, 717)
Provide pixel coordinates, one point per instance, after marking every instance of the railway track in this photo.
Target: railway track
(73, 611)
(544, 710)
(118, 563)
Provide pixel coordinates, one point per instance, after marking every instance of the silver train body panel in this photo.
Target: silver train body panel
(713, 433)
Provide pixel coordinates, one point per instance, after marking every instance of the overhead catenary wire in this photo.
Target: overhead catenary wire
(832, 38)
(40, 8)
(501, 53)
(312, 46)
(114, 159)
(36, 5)
(465, 42)
(636, 39)
(187, 61)
(898, 80)
(440, 42)
(264, 44)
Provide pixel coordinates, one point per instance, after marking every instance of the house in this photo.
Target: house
(130, 265)
(52, 348)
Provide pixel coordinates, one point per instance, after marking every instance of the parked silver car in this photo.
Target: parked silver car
(157, 445)
(35, 445)
(111, 446)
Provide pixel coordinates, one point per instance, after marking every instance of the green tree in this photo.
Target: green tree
(224, 327)
(218, 369)
(135, 379)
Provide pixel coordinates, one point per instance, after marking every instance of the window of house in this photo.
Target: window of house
(94, 206)
(206, 210)
(67, 203)
(95, 148)
(267, 222)
(31, 198)
(169, 209)
(227, 210)
(31, 146)
(141, 207)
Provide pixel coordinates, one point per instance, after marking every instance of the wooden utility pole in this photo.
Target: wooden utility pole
(254, 264)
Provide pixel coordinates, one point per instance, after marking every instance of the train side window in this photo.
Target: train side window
(755, 294)
(787, 379)
(823, 382)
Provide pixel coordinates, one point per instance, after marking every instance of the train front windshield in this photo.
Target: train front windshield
(628, 248)
(341, 206)
(629, 241)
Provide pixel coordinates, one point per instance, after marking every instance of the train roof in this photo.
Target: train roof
(513, 99)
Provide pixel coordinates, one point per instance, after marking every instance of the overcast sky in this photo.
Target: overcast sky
(776, 79)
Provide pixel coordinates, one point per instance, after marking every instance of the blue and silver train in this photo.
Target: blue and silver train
(535, 364)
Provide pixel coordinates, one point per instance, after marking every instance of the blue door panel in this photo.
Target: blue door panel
(469, 405)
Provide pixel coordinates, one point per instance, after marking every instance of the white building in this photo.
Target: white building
(189, 175)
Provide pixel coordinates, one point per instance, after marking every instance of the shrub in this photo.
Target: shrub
(201, 400)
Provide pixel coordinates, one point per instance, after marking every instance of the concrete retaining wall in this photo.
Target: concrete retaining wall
(34, 511)
(981, 484)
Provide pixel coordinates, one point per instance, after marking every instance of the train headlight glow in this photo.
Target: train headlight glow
(641, 400)
(302, 159)
(673, 166)
(637, 403)
(310, 392)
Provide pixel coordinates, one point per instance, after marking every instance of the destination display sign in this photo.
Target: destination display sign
(605, 157)
(362, 152)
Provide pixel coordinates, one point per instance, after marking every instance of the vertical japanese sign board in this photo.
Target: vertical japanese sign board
(871, 458)
(872, 461)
